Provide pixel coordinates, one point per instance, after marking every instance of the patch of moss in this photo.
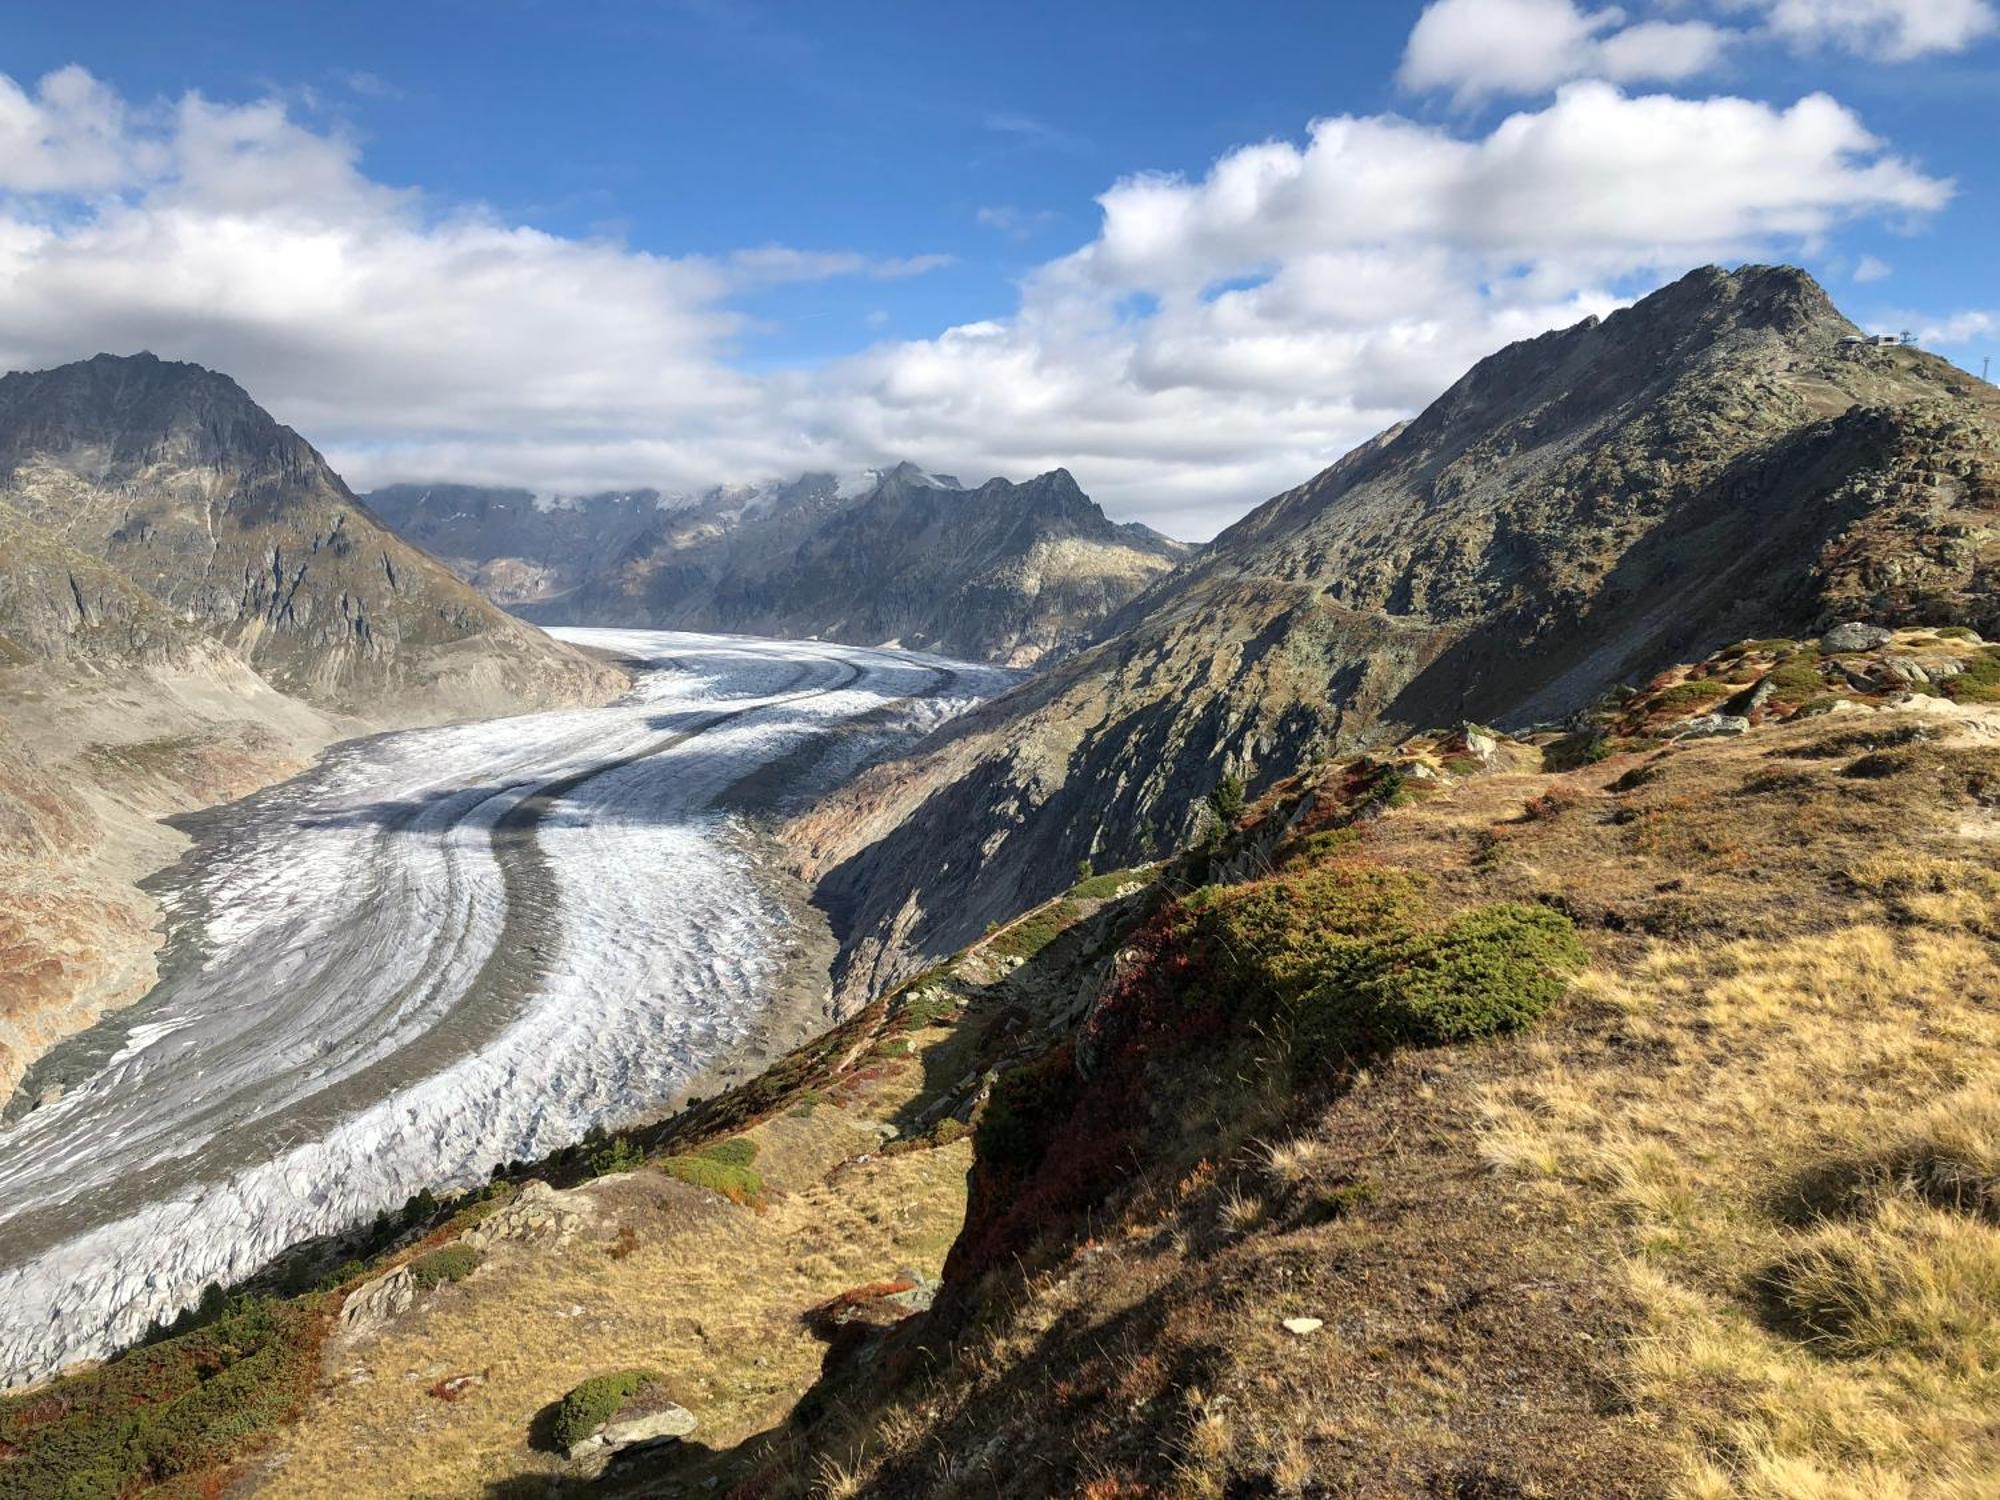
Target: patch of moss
(1684, 697)
(590, 1405)
(1957, 633)
(449, 1263)
(1104, 887)
(737, 1151)
(1797, 679)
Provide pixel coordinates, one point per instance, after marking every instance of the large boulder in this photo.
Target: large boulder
(1712, 726)
(1855, 636)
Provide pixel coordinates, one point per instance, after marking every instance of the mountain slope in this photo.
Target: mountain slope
(191, 605)
(1709, 464)
(175, 478)
(1005, 572)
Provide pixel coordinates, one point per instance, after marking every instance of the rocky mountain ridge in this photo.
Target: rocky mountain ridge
(1012, 573)
(1725, 458)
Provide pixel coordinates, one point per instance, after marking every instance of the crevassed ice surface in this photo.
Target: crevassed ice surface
(436, 951)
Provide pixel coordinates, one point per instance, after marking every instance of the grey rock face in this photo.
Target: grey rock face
(538, 1214)
(144, 503)
(374, 1304)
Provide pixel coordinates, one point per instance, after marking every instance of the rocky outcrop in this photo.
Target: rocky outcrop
(1710, 464)
(1014, 573)
(374, 1305)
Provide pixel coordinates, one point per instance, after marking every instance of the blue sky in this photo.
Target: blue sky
(571, 245)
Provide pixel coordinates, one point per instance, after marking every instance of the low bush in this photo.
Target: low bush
(1979, 682)
(164, 1411)
(1495, 969)
(1584, 747)
(1317, 848)
(1685, 697)
(1104, 887)
(590, 1405)
(450, 1263)
(739, 1184)
(737, 1151)
(1797, 679)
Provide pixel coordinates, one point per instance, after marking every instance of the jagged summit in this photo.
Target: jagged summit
(1004, 571)
(137, 408)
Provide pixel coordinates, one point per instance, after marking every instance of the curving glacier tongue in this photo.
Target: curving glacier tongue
(439, 950)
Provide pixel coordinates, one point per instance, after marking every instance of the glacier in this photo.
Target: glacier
(437, 951)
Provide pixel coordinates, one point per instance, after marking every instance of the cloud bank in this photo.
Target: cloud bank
(1220, 337)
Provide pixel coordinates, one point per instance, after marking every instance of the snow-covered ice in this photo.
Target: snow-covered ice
(439, 950)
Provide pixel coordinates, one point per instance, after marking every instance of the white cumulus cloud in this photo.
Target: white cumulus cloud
(1886, 30)
(1218, 339)
(1477, 48)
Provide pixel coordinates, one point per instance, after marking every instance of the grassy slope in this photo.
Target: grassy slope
(1724, 1222)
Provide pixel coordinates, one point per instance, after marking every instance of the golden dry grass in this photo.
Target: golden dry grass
(1821, 1286)
(665, 1275)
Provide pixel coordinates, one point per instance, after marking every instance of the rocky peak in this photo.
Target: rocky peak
(138, 409)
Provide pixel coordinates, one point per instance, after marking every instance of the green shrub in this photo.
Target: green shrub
(1032, 934)
(1026, 1106)
(1774, 646)
(1495, 969)
(164, 1410)
(1685, 696)
(1797, 679)
(1273, 941)
(1317, 848)
(619, 1154)
(1225, 800)
(1584, 747)
(450, 1263)
(590, 1405)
